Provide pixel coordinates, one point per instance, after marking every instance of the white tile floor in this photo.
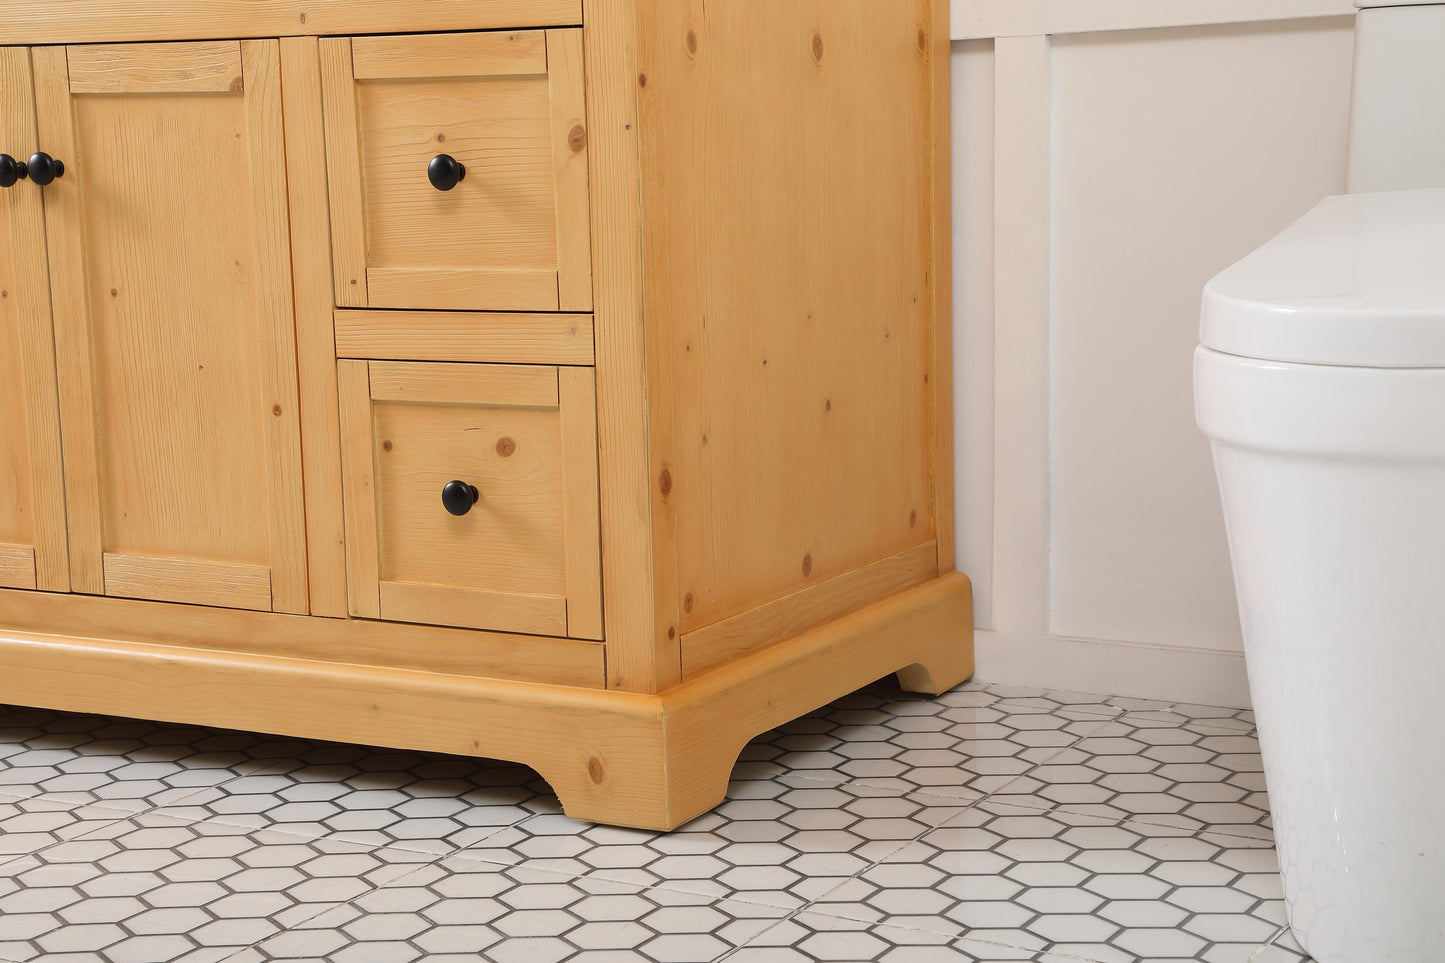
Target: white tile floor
(989, 824)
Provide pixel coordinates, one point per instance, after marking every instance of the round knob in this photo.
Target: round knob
(11, 170)
(44, 168)
(458, 497)
(445, 172)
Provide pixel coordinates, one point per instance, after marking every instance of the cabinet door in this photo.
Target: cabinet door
(504, 224)
(32, 505)
(471, 495)
(171, 285)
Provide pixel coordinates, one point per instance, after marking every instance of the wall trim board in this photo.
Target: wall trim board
(981, 19)
(1021, 290)
(1207, 677)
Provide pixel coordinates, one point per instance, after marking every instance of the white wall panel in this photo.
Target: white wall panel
(1176, 152)
(1099, 180)
(973, 97)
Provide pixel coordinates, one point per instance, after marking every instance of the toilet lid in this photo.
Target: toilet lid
(1359, 280)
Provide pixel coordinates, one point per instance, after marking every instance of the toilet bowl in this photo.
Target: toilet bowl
(1320, 382)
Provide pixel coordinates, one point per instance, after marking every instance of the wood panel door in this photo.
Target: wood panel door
(171, 283)
(511, 234)
(522, 552)
(32, 504)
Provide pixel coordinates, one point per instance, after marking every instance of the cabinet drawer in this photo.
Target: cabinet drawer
(471, 495)
(504, 111)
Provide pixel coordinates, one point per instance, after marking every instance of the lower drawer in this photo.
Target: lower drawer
(471, 495)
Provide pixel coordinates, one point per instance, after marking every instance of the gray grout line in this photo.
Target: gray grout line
(962, 808)
(1270, 943)
(121, 817)
(960, 801)
(962, 805)
(419, 868)
(1143, 818)
(256, 946)
(203, 789)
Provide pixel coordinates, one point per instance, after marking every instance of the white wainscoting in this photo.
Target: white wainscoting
(1110, 156)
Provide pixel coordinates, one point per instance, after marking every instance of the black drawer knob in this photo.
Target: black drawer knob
(11, 170)
(458, 497)
(44, 168)
(445, 172)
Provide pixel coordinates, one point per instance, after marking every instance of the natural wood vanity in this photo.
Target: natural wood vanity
(556, 381)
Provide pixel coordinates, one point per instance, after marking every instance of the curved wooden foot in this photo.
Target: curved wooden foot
(682, 789)
(687, 750)
(939, 673)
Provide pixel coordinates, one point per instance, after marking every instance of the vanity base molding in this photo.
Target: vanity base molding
(626, 759)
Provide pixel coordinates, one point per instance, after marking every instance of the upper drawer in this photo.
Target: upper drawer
(508, 109)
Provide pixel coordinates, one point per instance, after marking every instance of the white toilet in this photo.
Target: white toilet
(1321, 385)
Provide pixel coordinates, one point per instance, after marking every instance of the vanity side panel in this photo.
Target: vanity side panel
(789, 196)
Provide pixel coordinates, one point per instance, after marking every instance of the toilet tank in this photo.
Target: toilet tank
(1397, 121)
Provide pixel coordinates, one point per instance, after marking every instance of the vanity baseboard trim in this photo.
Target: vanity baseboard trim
(649, 761)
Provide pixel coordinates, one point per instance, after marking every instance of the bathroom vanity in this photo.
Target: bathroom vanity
(555, 381)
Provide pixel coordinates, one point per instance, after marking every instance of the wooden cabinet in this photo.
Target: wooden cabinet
(562, 385)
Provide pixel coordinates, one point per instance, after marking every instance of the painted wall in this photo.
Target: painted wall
(1109, 158)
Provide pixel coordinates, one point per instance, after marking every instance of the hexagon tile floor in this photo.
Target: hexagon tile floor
(989, 824)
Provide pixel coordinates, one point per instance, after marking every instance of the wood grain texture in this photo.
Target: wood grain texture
(510, 385)
(798, 293)
(449, 55)
(315, 339)
(627, 759)
(601, 751)
(461, 289)
(32, 501)
(940, 276)
(569, 169)
(210, 67)
(168, 275)
(276, 324)
(75, 21)
(173, 303)
(791, 615)
(392, 645)
(924, 635)
(17, 566)
(577, 396)
(640, 655)
(343, 170)
(449, 605)
(358, 482)
(512, 540)
(489, 243)
(69, 297)
(515, 561)
(661, 388)
(197, 581)
(464, 336)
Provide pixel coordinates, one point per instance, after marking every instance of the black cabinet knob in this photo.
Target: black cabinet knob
(44, 168)
(458, 497)
(445, 172)
(11, 170)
